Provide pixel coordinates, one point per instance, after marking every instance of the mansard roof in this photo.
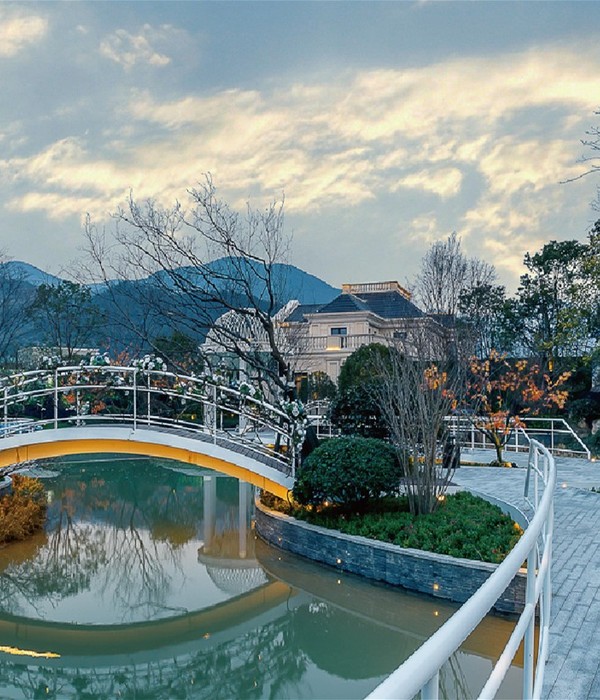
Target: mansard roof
(344, 303)
(384, 299)
(299, 313)
(387, 304)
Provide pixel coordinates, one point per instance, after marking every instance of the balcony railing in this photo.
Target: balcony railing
(324, 343)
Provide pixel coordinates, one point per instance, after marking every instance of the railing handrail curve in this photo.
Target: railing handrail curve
(420, 671)
(254, 413)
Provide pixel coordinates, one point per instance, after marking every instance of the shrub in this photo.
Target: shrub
(348, 471)
(23, 511)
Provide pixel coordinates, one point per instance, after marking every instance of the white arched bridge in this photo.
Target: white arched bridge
(145, 409)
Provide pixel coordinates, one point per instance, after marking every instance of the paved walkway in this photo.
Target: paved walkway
(573, 669)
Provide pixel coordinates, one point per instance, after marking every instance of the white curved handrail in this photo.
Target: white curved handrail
(420, 672)
(254, 416)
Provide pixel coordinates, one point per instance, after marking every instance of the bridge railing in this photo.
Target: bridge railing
(85, 394)
(421, 671)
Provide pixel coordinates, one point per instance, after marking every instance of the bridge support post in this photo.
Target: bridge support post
(209, 485)
(243, 519)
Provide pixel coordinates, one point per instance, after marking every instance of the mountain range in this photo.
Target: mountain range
(155, 306)
(294, 282)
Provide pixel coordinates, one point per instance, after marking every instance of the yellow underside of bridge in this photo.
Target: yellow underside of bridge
(60, 448)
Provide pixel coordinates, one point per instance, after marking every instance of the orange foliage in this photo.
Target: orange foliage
(23, 511)
(502, 393)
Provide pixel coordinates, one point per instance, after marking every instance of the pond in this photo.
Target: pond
(150, 583)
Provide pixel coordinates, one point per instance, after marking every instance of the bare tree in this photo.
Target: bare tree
(65, 316)
(446, 272)
(415, 395)
(592, 143)
(15, 296)
(186, 266)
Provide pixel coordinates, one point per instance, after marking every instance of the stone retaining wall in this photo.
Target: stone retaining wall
(438, 575)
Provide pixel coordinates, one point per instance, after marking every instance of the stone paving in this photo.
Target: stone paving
(573, 669)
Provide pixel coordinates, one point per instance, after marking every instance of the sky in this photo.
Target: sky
(385, 125)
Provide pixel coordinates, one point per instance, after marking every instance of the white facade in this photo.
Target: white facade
(375, 312)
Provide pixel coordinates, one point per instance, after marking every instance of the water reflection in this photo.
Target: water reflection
(149, 583)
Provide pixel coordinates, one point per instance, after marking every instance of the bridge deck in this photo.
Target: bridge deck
(245, 460)
(222, 439)
(573, 669)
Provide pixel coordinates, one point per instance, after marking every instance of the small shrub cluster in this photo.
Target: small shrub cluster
(349, 471)
(23, 511)
(463, 526)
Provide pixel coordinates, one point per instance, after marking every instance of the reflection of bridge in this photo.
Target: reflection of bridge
(104, 644)
(139, 410)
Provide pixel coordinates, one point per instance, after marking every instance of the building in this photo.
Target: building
(324, 336)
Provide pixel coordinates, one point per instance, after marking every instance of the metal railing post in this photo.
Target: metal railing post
(56, 398)
(536, 462)
(148, 402)
(135, 399)
(529, 639)
(431, 689)
(5, 411)
(215, 412)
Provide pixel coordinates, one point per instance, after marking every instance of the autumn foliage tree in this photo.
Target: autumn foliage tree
(502, 393)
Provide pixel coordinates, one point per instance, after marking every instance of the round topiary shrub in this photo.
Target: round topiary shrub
(347, 471)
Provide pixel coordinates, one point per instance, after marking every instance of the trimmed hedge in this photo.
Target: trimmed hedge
(349, 471)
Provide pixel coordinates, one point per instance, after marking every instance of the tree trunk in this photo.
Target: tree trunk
(498, 447)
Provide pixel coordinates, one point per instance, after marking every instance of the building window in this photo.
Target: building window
(337, 338)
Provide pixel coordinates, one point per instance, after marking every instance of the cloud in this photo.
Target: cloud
(424, 228)
(130, 49)
(19, 29)
(444, 182)
(488, 140)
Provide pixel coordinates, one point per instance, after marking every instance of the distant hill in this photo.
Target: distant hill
(130, 308)
(290, 281)
(29, 273)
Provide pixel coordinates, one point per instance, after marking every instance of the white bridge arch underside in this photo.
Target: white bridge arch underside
(217, 453)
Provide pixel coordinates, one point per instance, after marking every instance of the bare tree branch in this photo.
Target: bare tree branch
(415, 396)
(191, 265)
